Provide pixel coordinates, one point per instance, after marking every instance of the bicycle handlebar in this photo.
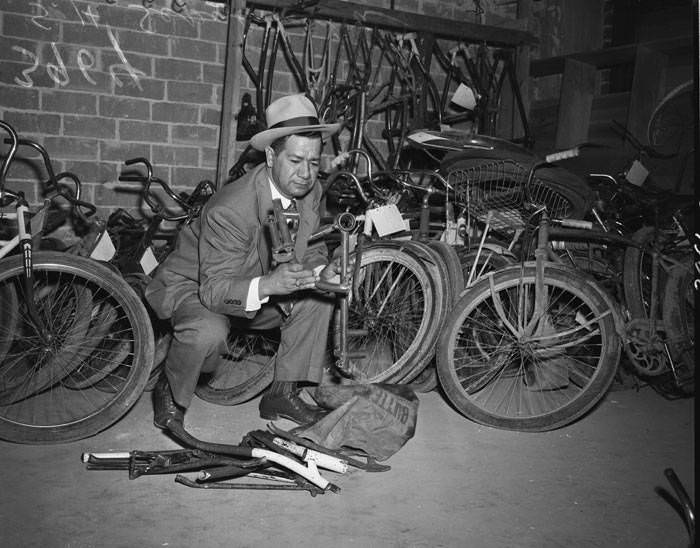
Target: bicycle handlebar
(44, 155)
(189, 204)
(13, 141)
(142, 160)
(74, 200)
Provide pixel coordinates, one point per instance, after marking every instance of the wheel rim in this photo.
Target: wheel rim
(513, 377)
(392, 300)
(53, 405)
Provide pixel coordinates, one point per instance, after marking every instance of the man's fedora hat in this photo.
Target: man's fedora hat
(290, 115)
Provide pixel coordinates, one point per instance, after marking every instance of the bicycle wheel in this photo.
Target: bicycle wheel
(679, 318)
(244, 372)
(395, 303)
(502, 366)
(59, 413)
(671, 127)
(435, 258)
(453, 263)
(426, 380)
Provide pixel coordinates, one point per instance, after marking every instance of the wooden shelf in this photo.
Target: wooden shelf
(650, 61)
(610, 57)
(402, 21)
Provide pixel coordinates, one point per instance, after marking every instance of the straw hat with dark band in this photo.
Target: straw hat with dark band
(290, 115)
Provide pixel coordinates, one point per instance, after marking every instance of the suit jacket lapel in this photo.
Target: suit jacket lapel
(262, 188)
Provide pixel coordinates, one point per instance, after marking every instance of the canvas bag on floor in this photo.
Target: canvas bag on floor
(377, 419)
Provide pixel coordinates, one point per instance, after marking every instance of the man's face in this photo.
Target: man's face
(295, 168)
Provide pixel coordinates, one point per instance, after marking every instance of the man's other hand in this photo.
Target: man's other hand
(285, 279)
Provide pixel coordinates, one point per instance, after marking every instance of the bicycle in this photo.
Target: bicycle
(658, 224)
(530, 347)
(69, 323)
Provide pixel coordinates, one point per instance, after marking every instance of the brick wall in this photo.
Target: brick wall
(97, 82)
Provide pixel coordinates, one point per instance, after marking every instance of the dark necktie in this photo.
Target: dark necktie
(292, 216)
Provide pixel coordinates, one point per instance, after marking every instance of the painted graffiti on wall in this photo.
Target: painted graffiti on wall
(85, 59)
(177, 11)
(53, 59)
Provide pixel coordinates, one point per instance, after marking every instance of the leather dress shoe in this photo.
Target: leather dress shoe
(166, 410)
(289, 406)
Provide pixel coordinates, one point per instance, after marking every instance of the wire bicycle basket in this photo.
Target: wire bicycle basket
(492, 192)
(495, 193)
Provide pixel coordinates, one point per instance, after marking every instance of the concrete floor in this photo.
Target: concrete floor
(454, 484)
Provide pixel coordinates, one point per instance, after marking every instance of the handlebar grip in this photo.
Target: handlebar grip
(562, 155)
(140, 159)
(130, 178)
(577, 223)
(86, 457)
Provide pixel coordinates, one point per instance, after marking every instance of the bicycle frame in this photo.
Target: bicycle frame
(24, 234)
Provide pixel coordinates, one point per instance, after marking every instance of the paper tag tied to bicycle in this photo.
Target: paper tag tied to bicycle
(103, 249)
(148, 261)
(637, 173)
(386, 220)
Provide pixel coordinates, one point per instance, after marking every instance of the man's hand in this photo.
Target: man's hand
(331, 272)
(285, 279)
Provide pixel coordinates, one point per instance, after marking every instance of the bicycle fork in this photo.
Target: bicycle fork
(345, 223)
(25, 241)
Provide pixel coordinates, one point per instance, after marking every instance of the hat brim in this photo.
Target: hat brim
(262, 140)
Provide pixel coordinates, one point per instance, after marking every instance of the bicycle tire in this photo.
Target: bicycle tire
(245, 372)
(162, 331)
(60, 414)
(435, 260)
(671, 127)
(162, 344)
(455, 273)
(394, 299)
(543, 385)
(679, 318)
(426, 380)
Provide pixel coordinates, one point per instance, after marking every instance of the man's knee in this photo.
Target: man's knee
(315, 306)
(202, 332)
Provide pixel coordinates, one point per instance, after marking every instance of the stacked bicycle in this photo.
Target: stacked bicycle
(76, 343)
(535, 345)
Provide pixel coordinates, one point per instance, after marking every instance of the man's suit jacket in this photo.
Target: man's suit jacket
(219, 253)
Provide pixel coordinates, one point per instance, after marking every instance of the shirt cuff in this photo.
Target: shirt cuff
(253, 301)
